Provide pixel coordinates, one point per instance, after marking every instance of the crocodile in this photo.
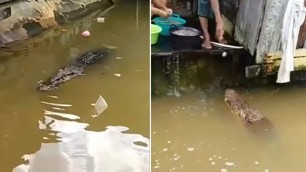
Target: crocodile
(254, 121)
(74, 69)
(241, 108)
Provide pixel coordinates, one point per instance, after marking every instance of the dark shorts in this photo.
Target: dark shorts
(204, 9)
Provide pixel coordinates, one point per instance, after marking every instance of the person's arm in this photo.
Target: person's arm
(159, 4)
(219, 21)
(157, 11)
(216, 8)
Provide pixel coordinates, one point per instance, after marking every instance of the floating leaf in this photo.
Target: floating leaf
(100, 105)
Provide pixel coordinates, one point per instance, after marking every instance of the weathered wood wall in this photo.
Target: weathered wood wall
(259, 24)
(270, 35)
(248, 23)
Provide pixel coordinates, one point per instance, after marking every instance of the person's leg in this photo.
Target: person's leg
(204, 25)
(204, 12)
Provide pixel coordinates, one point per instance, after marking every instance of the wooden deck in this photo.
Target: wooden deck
(164, 48)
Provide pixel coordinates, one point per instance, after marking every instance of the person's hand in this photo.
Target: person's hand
(219, 30)
(163, 13)
(169, 11)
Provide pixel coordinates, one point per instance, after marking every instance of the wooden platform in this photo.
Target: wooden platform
(164, 48)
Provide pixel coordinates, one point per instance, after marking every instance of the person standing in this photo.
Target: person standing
(208, 9)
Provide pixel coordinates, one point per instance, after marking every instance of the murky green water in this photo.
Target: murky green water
(66, 137)
(198, 132)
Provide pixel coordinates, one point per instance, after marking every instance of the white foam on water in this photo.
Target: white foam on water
(63, 115)
(56, 104)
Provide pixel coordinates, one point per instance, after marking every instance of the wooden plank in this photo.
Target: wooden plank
(273, 60)
(278, 55)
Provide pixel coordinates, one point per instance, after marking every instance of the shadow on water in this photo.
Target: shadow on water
(36, 135)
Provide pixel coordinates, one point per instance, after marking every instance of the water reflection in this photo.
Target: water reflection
(86, 151)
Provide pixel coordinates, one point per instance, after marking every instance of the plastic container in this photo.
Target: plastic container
(165, 23)
(155, 30)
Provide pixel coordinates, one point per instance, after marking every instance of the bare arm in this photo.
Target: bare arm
(157, 11)
(159, 4)
(216, 8)
(219, 21)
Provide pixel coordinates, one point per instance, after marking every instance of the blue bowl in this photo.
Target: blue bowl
(167, 23)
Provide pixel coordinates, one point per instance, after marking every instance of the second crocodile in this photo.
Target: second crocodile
(76, 68)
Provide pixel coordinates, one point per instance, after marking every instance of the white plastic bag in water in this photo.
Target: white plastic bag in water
(100, 105)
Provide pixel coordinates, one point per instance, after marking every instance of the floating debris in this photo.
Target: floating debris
(100, 105)
(229, 164)
(101, 20)
(266, 170)
(212, 163)
(190, 149)
(54, 97)
(86, 33)
(117, 75)
(94, 116)
(56, 104)
(224, 54)
(57, 108)
(119, 58)
(256, 162)
(165, 149)
(223, 170)
(64, 115)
